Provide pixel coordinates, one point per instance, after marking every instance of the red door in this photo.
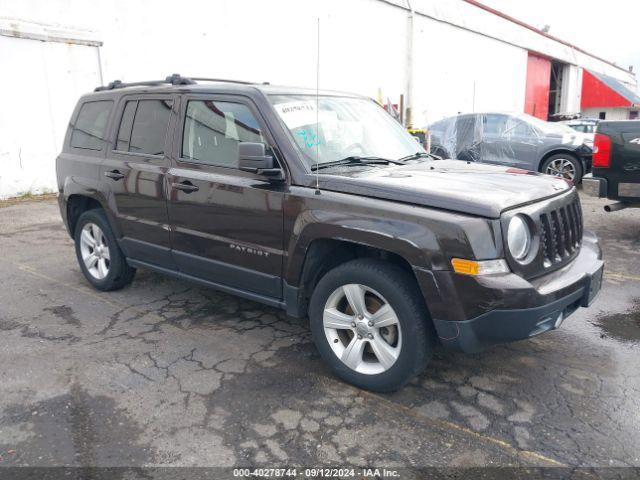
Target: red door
(536, 101)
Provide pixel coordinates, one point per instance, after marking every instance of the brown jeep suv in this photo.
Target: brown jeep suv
(322, 205)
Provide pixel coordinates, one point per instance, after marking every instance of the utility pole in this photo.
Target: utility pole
(409, 85)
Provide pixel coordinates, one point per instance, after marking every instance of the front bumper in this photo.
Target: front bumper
(470, 313)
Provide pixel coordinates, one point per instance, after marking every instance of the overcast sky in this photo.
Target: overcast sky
(609, 28)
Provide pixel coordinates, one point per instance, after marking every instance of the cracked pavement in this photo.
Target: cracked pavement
(166, 373)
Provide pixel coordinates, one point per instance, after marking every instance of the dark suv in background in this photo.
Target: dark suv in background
(322, 205)
(516, 140)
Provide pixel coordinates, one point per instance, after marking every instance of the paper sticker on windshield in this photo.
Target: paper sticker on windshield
(297, 114)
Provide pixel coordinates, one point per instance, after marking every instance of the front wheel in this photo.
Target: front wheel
(563, 165)
(370, 326)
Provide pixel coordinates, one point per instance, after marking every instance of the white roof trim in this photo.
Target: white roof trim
(11, 27)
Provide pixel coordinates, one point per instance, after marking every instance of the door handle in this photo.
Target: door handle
(114, 175)
(186, 187)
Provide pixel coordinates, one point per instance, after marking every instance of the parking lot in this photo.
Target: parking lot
(168, 373)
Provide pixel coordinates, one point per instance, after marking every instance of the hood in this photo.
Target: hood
(478, 189)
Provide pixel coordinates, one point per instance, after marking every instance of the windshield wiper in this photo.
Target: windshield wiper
(356, 160)
(417, 155)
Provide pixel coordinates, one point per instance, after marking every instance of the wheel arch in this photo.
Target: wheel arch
(77, 204)
(324, 254)
(79, 194)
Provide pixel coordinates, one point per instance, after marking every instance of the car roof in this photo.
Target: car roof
(494, 112)
(468, 114)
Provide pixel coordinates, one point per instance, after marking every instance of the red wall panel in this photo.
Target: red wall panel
(597, 94)
(536, 100)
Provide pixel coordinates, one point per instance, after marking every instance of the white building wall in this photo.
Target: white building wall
(256, 40)
(465, 15)
(40, 84)
(464, 72)
(611, 113)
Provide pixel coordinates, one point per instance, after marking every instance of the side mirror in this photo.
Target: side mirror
(252, 158)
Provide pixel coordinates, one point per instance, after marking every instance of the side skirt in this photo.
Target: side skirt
(272, 302)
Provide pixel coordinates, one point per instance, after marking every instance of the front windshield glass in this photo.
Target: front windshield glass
(345, 127)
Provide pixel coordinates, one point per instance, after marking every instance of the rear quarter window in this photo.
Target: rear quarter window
(88, 131)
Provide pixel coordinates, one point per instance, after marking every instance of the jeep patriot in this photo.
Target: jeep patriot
(324, 206)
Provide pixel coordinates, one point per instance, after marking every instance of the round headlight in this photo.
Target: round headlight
(518, 238)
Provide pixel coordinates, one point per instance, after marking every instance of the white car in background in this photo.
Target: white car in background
(587, 126)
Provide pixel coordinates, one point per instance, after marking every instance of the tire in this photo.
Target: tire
(106, 267)
(555, 163)
(410, 341)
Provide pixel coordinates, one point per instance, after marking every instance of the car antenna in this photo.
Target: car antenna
(318, 111)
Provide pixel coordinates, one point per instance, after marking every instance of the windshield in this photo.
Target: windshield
(346, 127)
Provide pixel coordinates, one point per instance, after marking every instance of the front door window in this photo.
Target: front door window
(212, 131)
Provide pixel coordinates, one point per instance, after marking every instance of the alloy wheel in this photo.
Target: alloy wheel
(362, 329)
(562, 167)
(95, 251)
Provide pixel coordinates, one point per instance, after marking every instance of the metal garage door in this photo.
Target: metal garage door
(536, 101)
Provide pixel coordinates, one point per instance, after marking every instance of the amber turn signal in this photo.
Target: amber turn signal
(484, 267)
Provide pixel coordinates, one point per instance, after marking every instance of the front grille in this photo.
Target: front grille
(556, 224)
(560, 233)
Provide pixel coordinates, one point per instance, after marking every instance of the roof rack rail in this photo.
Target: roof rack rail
(174, 79)
(225, 80)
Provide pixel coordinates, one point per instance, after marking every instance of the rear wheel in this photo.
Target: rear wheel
(101, 260)
(370, 326)
(563, 165)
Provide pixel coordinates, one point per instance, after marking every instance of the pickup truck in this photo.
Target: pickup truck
(616, 164)
(321, 204)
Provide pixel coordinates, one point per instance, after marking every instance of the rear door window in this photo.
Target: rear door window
(90, 125)
(143, 127)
